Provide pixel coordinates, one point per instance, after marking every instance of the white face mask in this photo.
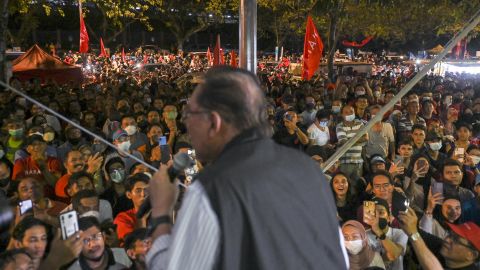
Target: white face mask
(350, 118)
(91, 213)
(359, 93)
(435, 146)
(336, 109)
(124, 146)
(475, 160)
(354, 247)
(131, 130)
(377, 94)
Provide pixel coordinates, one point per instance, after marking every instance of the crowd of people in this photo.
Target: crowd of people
(425, 153)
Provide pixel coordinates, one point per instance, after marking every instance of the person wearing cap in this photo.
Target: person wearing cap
(38, 165)
(463, 134)
(381, 138)
(461, 248)
(122, 141)
(74, 140)
(391, 243)
(433, 143)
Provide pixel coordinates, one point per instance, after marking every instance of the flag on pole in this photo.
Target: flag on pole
(233, 59)
(312, 50)
(123, 55)
(217, 53)
(209, 57)
(103, 52)
(83, 31)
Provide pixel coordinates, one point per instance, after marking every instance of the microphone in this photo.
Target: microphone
(181, 161)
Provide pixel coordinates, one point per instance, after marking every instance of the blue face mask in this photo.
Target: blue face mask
(324, 123)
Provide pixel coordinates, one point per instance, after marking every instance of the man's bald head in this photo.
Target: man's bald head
(236, 95)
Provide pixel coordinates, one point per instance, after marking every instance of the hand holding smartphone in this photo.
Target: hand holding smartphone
(68, 224)
(25, 207)
(369, 210)
(164, 150)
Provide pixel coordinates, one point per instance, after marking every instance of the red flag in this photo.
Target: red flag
(83, 32)
(355, 44)
(123, 55)
(312, 50)
(103, 52)
(217, 53)
(233, 59)
(209, 57)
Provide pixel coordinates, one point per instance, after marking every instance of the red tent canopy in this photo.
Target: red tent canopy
(36, 63)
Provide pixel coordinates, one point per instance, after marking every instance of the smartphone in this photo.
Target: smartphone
(400, 203)
(68, 223)
(459, 152)
(288, 117)
(421, 163)
(368, 209)
(191, 171)
(164, 149)
(437, 187)
(25, 207)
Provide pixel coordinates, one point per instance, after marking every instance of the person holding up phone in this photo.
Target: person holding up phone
(435, 222)
(290, 133)
(390, 242)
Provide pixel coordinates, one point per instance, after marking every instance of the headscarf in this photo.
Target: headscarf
(363, 259)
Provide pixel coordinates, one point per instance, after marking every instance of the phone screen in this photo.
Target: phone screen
(368, 209)
(400, 203)
(437, 187)
(162, 140)
(68, 224)
(164, 150)
(25, 206)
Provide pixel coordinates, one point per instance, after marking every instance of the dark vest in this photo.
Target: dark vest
(274, 206)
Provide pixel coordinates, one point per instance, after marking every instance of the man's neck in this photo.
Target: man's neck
(360, 112)
(412, 117)
(433, 154)
(139, 265)
(101, 264)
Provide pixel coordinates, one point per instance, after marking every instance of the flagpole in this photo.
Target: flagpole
(459, 36)
(248, 35)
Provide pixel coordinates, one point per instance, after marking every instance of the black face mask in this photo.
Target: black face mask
(382, 223)
(74, 141)
(310, 106)
(4, 182)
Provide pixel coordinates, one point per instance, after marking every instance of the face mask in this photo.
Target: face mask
(435, 146)
(49, 136)
(382, 223)
(4, 182)
(74, 141)
(16, 132)
(124, 146)
(118, 176)
(323, 123)
(475, 160)
(359, 93)
(335, 109)
(377, 94)
(148, 100)
(354, 247)
(172, 115)
(310, 106)
(91, 213)
(350, 118)
(131, 130)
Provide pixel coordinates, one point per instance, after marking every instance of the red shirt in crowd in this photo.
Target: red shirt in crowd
(125, 222)
(60, 188)
(28, 167)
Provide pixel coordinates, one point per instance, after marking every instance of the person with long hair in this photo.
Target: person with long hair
(345, 201)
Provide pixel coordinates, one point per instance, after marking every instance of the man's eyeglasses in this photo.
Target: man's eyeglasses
(187, 113)
(96, 237)
(384, 186)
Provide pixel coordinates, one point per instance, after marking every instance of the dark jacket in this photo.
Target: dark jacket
(275, 208)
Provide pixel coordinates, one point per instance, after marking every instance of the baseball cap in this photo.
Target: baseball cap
(119, 133)
(469, 230)
(34, 138)
(432, 136)
(377, 159)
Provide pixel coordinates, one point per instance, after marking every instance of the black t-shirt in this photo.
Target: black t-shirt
(291, 140)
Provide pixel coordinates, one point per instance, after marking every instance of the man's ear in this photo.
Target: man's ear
(17, 244)
(128, 193)
(216, 123)
(131, 254)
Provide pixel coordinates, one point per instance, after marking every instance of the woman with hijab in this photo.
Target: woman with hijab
(360, 254)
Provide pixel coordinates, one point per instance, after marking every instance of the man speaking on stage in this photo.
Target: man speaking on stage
(256, 204)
